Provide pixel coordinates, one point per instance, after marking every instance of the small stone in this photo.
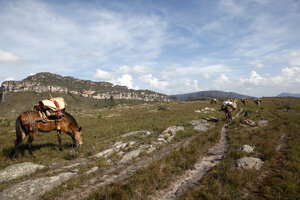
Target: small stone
(246, 148)
(249, 122)
(249, 163)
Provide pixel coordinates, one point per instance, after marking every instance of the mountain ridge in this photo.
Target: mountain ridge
(206, 95)
(286, 94)
(52, 83)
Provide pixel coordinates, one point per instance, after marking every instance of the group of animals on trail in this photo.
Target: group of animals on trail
(230, 105)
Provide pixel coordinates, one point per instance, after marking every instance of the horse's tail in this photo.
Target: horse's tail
(20, 135)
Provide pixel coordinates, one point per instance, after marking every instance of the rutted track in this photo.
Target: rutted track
(188, 180)
(120, 171)
(124, 170)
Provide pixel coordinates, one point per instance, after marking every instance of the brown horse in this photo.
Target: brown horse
(213, 101)
(257, 101)
(28, 123)
(244, 101)
(228, 112)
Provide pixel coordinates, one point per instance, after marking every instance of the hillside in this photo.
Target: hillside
(53, 83)
(207, 95)
(159, 150)
(285, 94)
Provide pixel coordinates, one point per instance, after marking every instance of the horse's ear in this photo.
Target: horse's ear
(79, 129)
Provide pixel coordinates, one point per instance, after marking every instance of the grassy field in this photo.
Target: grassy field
(102, 127)
(280, 176)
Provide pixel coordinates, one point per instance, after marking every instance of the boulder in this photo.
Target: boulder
(249, 163)
(18, 170)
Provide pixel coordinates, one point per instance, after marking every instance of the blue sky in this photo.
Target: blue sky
(172, 46)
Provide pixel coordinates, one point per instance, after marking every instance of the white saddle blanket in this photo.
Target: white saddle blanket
(50, 103)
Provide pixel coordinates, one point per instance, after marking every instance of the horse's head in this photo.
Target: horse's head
(77, 136)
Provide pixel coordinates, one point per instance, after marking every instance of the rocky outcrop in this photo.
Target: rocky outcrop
(18, 170)
(33, 189)
(47, 82)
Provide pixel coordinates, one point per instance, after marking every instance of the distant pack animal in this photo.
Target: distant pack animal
(257, 101)
(213, 101)
(228, 112)
(29, 123)
(244, 101)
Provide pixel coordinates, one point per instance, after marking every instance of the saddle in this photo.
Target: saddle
(51, 109)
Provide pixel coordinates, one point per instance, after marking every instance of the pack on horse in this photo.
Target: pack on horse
(228, 107)
(29, 123)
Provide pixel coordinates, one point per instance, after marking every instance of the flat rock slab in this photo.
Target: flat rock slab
(18, 170)
(201, 124)
(33, 189)
(249, 163)
(130, 155)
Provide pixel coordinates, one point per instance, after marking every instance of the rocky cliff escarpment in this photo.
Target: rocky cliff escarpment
(52, 83)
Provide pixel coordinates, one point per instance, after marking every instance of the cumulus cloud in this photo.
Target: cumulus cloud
(294, 58)
(254, 79)
(8, 57)
(126, 80)
(9, 79)
(103, 75)
(154, 82)
(222, 80)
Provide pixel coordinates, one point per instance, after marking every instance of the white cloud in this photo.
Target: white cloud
(141, 70)
(8, 57)
(126, 80)
(154, 82)
(254, 79)
(294, 58)
(10, 79)
(137, 69)
(103, 75)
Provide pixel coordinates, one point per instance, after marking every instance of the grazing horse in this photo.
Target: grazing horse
(257, 101)
(213, 101)
(228, 113)
(244, 101)
(28, 123)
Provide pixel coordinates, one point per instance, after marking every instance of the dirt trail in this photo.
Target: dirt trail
(124, 170)
(187, 181)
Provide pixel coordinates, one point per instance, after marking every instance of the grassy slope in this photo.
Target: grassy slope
(280, 175)
(100, 131)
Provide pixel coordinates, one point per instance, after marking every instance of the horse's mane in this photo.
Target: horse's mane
(70, 117)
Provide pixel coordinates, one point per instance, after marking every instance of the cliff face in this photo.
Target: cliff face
(52, 83)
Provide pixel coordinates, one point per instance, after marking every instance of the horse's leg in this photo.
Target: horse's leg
(73, 139)
(29, 142)
(59, 139)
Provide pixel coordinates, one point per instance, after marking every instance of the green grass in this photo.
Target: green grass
(281, 169)
(280, 175)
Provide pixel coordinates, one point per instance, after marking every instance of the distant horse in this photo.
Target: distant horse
(28, 123)
(257, 101)
(228, 113)
(244, 101)
(213, 101)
